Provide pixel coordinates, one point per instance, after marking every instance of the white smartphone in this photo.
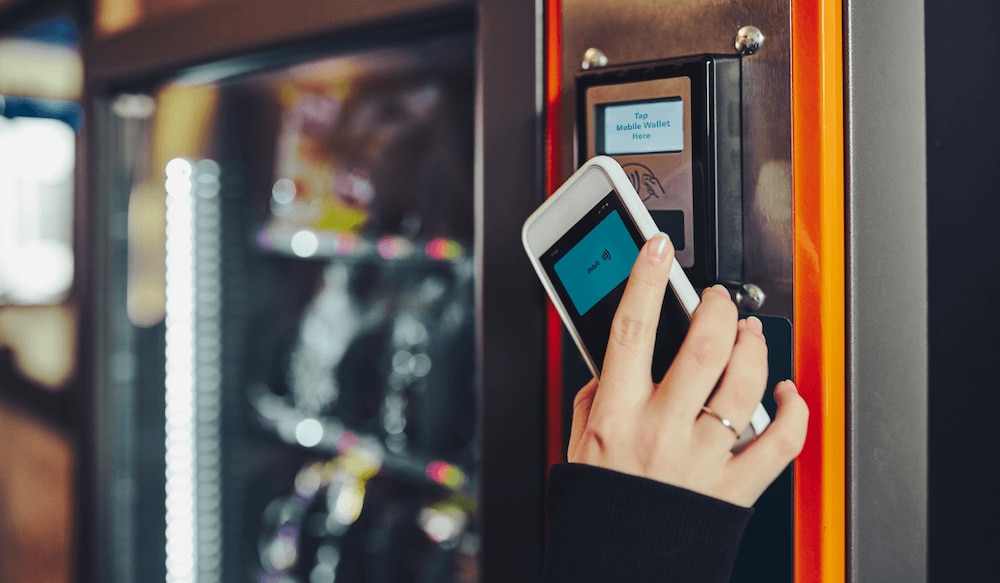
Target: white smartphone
(582, 243)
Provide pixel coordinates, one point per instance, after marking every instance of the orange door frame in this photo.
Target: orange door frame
(820, 288)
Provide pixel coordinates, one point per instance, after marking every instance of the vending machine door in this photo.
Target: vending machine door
(296, 397)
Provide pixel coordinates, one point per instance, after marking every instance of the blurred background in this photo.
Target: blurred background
(237, 294)
(245, 328)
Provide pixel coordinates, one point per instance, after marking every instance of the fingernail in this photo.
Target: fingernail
(656, 248)
(788, 385)
(722, 290)
(754, 324)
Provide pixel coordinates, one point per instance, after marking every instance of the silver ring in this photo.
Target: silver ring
(722, 420)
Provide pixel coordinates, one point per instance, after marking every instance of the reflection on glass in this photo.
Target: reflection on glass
(179, 122)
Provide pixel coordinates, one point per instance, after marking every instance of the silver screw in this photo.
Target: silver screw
(594, 58)
(749, 40)
(750, 297)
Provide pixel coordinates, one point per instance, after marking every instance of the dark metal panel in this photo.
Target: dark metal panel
(962, 58)
(509, 185)
(887, 290)
(641, 30)
(226, 29)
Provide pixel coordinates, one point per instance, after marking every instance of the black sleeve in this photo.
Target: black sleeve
(605, 526)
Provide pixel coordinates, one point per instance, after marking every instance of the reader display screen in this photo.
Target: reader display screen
(640, 127)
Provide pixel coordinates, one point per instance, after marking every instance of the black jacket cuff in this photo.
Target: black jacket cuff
(608, 526)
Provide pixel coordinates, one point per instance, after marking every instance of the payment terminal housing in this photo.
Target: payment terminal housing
(675, 127)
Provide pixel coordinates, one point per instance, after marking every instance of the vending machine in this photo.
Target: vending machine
(311, 345)
(305, 369)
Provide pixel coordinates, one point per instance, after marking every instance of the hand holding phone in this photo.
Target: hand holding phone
(588, 246)
(582, 243)
(626, 422)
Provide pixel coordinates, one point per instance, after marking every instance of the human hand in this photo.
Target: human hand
(627, 422)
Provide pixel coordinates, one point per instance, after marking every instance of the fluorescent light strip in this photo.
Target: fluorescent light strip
(181, 545)
(193, 377)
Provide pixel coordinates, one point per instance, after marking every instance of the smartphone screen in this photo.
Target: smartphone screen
(589, 267)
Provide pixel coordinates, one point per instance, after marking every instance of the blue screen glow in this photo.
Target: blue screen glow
(598, 263)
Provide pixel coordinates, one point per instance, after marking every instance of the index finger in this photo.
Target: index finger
(703, 355)
(626, 375)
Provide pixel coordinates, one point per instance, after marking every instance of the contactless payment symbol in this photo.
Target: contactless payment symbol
(644, 181)
(606, 255)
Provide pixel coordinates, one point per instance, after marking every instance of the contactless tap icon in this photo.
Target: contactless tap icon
(644, 181)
